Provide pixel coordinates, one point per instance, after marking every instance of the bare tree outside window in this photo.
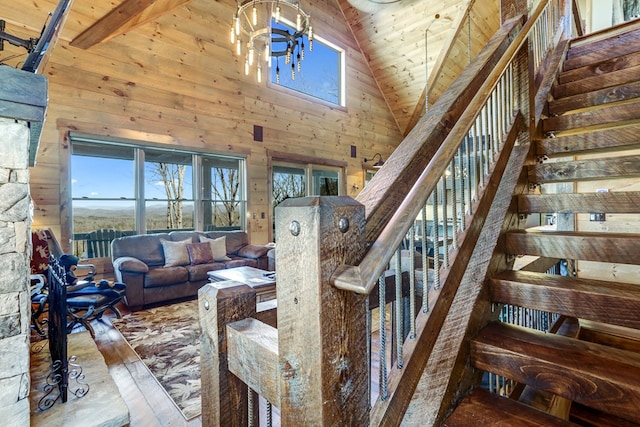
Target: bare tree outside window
(172, 178)
(226, 188)
(287, 185)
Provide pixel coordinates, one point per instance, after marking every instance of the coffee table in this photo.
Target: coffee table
(260, 280)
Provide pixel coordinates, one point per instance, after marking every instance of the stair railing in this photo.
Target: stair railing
(447, 192)
(331, 256)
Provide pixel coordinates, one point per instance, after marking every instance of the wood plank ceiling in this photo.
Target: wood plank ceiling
(390, 33)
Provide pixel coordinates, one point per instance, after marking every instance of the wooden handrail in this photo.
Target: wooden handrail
(363, 277)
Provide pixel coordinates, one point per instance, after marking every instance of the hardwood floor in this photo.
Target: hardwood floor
(148, 403)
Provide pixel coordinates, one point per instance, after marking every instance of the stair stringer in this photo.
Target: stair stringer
(447, 376)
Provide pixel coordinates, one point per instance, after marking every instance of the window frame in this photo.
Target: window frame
(140, 200)
(342, 96)
(308, 164)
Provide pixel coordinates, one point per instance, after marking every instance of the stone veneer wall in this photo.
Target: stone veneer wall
(15, 251)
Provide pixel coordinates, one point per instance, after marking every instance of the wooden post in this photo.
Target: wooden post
(322, 333)
(224, 396)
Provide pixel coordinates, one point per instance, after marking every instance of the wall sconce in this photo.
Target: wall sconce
(377, 164)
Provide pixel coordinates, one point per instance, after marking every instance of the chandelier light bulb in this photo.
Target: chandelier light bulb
(302, 51)
(255, 14)
(251, 54)
(233, 35)
(267, 52)
(310, 35)
(298, 22)
(277, 14)
(238, 47)
(299, 63)
(259, 73)
(237, 25)
(277, 74)
(246, 67)
(293, 72)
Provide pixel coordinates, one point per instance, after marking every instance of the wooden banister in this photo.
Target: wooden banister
(363, 278)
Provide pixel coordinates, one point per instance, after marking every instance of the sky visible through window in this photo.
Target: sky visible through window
(104, 178)
(320, 70)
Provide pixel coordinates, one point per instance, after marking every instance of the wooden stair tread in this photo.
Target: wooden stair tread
(584, 415)
(585, 170)
(606, 140)
(595, 375)
(595, 83)
(600, 95)
(612, 202)
(588, 246)
(597, 300)
(610, 335)
(484, 408)
(618, 63)
(608, 114)
(602, 50)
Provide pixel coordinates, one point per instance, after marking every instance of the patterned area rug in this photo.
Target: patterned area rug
(167, 340)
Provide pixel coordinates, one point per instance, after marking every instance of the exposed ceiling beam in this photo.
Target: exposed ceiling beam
(125, 17)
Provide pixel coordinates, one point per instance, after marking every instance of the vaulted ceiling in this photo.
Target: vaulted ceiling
(403, 41)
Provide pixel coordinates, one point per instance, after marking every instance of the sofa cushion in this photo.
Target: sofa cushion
(198, 273)
(165, 276)
(234, 239)
(145, 247)
(199, 253)
(241, 262)
(218, 247)
(130, 264)
(175, 253)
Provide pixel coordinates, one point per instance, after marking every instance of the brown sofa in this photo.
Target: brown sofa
(139, 261)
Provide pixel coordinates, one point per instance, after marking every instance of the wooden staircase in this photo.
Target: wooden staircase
(592, 142)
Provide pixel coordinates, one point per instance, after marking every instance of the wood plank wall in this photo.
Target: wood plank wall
(176, 81)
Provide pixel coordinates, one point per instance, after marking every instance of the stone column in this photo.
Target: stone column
(22, 105)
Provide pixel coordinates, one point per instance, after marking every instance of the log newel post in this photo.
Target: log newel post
(322, 339)
(224, 396)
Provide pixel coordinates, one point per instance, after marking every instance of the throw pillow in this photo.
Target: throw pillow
(218, 247)
(175, 253)
(200, 253)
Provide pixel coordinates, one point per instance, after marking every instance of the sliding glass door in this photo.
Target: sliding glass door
(290, 180)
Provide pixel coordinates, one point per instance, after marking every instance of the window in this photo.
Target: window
(321, 72)
(140, 189)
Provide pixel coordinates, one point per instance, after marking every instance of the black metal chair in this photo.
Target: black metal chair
(85, 299)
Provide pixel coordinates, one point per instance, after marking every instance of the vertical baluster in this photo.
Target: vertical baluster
(468, 142)
(399, 335)
(435, 232)
(486, 130)
(412, 282)
(250, 418)
(445, 223)
(269, 414)
(425, 264)
(511, 94)
(499, 113)
(384, 393)
(496, 125)
(369, 326)
(462, 172)
(454, 206)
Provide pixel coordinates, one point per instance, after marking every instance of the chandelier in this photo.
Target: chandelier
(255, 36)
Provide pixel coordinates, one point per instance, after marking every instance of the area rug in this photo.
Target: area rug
(167, 340)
